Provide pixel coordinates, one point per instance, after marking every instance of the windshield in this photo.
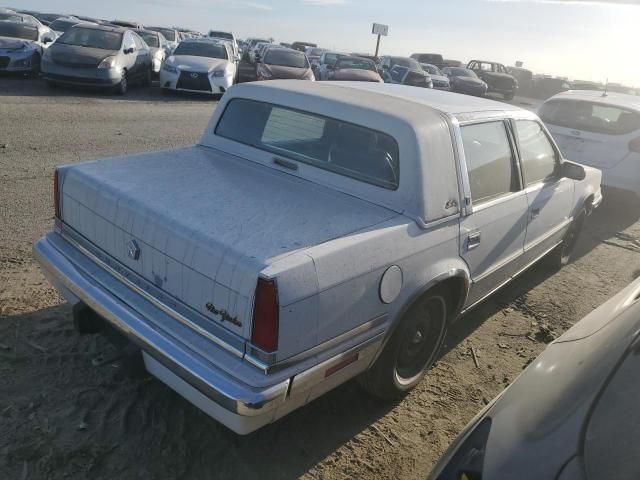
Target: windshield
(406, 62)
(150, 39)
(432, 69)
(256, 41)
(357, 63)
(202, 49)
(166, 32)
(62, 25)
(10, 17)
(92, 38)
(286, 58)
(14, 30)
(47, 17)
(315, 52)
(226, 35)
(462, 72)
(590, 117)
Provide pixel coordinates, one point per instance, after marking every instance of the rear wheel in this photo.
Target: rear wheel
(509, 96)
(411, 350)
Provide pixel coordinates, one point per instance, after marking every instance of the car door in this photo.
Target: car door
(550, 196)
(143, 57)
(492, 236)
(129, 45)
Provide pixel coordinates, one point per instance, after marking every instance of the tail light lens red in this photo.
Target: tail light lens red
(56, 195)
(264, 333)
(634, 145)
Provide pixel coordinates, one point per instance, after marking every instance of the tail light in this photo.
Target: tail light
(56, 194)
(634, 145)
(264, 332)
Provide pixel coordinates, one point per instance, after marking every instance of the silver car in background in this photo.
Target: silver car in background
(200, 65)
(22, 46)
(573, 414)
(98, 56)
(171, 35)
(62, 24)
(158, 48)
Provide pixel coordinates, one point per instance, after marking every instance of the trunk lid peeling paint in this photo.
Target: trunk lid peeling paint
(205, 223)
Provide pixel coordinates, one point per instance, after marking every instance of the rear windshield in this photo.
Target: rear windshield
(590, 117)
(14, 30)
(432, 69)
(47, 17)
(150, 39)
(62, 25)
(168, 33)
(89, 37)
(340, 147)
(286, 58)
(429, 58)
(197, 49)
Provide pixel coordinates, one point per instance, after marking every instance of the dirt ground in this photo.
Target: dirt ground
(69, 411)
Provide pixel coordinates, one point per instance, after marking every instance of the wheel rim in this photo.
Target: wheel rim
(420, 341)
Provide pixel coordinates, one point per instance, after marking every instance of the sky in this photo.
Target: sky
(579, 39)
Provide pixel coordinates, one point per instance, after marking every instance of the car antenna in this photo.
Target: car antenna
(606, 86)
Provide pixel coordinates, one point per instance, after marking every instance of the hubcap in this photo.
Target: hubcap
(420, 341)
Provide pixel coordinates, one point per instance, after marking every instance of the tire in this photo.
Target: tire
(562, 255)
(411, 350)
(509, 96)
(35, 65)
(123, 87)
(147, 78)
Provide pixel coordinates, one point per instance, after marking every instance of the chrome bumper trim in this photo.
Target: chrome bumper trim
(218, 386)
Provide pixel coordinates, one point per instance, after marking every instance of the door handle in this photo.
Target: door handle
(473, 241)
(534, 213)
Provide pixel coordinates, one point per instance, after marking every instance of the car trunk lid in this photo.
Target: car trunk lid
(201, 225)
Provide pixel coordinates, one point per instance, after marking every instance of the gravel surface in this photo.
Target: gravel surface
(69, 410)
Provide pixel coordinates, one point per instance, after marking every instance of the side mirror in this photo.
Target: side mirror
(572, 170)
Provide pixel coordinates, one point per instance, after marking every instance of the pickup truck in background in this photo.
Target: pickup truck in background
(317, 232)
(496, 76)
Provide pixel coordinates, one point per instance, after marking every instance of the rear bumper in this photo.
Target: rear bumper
(178, 360)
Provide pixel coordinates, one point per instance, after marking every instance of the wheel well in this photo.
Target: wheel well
(588, 204)
(456, 289)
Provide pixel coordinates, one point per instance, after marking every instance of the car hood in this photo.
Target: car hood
(357, 75)
(9, 43)
(468, 80)
(439, 78)
(196, 64)
(74, 55)
(279, 71)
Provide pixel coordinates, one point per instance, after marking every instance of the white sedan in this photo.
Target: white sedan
(199, 65)
(598, 129)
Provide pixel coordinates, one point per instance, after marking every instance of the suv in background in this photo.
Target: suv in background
(496, 77)
(430, 58)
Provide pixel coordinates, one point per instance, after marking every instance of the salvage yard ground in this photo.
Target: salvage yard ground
(69, 410)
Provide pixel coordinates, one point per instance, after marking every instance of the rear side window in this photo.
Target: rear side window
(590, 117)
(536, 152)
(490, 161)
(340, 147)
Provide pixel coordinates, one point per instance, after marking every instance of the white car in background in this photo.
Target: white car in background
(228, 36)
(598, 129)
(200, 65)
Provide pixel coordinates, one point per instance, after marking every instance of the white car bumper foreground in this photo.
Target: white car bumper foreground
(198, 82)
